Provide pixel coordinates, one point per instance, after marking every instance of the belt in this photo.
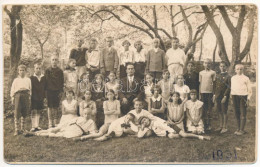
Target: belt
(173, 63)
(23, 91)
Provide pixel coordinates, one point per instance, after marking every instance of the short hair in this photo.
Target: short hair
(22, 66)
(99, 75)
(85, 73)
(193, 91)
(156, 39)
(127, 64)
(191, 62)
(87, 91)
(69, 90)
(109, 37)
(156, 87)
(131, 114)
(241, 65)
(138, 42)
(93, 40)
(141, 119)
(175, 38)
(224, 62)
(37, 64)
(166, 71)
(68, 63)
(138, 100)
(178, 94)
(208, 60)
(126, 42)
(148, 73)
(179, 76)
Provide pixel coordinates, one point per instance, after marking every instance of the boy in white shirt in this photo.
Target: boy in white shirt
(241, 93)
(175, 58)
(20, 95)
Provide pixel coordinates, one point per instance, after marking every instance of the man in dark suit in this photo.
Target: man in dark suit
(130, 88)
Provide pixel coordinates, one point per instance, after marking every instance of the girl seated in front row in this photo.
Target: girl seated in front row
(111, 111)
(175, 113)
(112, 84)
(156, 103)
(88, 107)
(194, 114)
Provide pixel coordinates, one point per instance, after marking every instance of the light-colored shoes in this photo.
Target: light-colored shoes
(224, 130)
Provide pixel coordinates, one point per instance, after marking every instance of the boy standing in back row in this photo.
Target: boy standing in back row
(207, 79)
(54, 87)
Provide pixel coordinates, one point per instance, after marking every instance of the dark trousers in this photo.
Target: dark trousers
(222, 107)
(21, 104)
(122, 71)
(92, 74)
(206, 98)
(157, 76)
(239, 104)
(140, 69)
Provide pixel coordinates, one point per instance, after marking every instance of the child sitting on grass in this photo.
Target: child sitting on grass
(69, 108)
(123, 125)
(160, 128)
(194, 113)
(75, 128)
(175, 113)
(111, 111)
(88, 106)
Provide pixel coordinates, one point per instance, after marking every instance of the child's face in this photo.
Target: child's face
(37, 69)
(92, 44)
(112, 77)
(175, 44)
(69, 95)
(239, 70)
(80, 43)
(87, 96)
(193, 96)
(21, 72)
(156, 92)
(180, 80)
(138, 105)
(126, 46)
(85, 77)
(138, 46)
(222, 67)
(110, 96)
(99, 80)
(145, 122)
(128, 118)
(72, 64)
(54, 61)
(156, 44)
(175, 98)
(109, 42)
(207, 64)
(190, 67)
(149, 78)
(166, 75)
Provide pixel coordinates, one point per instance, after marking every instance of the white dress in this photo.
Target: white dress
(194, 113)
(68, 107)
(182, 90)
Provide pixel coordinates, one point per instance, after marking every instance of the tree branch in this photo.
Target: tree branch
(186, 21)
(155, 17)
(7, 11)
(122, 21)
(188, 17)
(165, 32)
(184, 10)
(227, 19)
(49, 32)
(250, 36)
(241, 18)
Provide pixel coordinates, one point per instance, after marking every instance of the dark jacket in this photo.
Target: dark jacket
(109, 59)
(79, 55)
(38, 88)
(192, 80)
(54, 79)
(222, 86)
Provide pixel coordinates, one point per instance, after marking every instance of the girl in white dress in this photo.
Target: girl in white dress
(183, 90)
(69, 108)
(194, 114)
(88, 107)
(175, 113)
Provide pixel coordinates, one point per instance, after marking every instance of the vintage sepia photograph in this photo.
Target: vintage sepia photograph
(129, 83)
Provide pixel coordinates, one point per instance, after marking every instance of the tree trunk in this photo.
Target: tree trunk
(16, 34)
(41, 46)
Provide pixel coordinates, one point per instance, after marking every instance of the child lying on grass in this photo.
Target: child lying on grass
(160, 128)
(123, 125)
(77, 127)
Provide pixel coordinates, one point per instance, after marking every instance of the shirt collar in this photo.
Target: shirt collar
(156, 49)
(156, 99)
(38, 76)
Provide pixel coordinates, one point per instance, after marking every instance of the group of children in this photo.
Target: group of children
(176, 105)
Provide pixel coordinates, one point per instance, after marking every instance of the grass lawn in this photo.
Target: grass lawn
(131, 149)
